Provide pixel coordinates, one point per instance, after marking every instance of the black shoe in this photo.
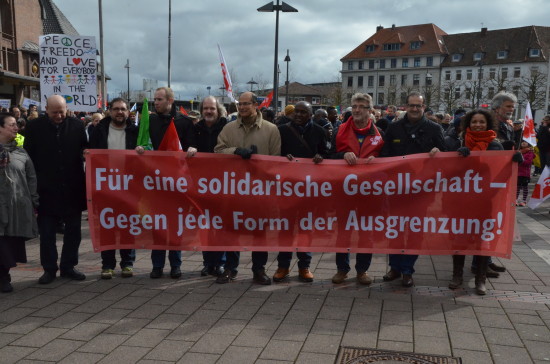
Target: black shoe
(497, 268)
(391, 275)
(217, 271)
(490, 273)
(47, 277)
(156, 273)
(175, 272)
(408, 280)
(226, 277)
(261, 278)
(73, 274)
(5, 285)
(205, 270)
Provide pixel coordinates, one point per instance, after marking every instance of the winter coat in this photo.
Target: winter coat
(398, 140)
(100, 134)
(206, 138)
(18, 196)
(313, 135)
(524, 168)
(159, 123)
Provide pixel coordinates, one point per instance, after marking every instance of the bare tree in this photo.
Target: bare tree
(431, 95)
(533, 89)
(450, 97)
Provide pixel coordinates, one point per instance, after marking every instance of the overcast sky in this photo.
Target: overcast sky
(322, 32)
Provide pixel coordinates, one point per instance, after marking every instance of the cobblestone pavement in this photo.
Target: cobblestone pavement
(194, 320)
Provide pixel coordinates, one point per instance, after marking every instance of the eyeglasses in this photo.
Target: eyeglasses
(117, 109)
(360, 107)
(413, 106)
(245, 103)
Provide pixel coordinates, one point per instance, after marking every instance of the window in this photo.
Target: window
(369, 48)
(534, 52)
(350, 81)
(429, 61)
(428, 79)
(380, 98)
(350, 65)
(458, 75)
(480, 74)
(534, 71)
(381, 80)
(468, 93)
(504, 73)
(370, 81)
(403, 80)
(403, 97)
(456, 57)
(416, 61)
(447, 75)
(502, 54)
(468, 74)
(392, 46)
(393, 80)
(371, 64)
(382, 63)
(457, 92)
(491, 93)
(416, 79)
(405, 62)
(416, 44)
(517, 72)
(316, 101)
(447, 94)
(492, 73)
(360, 81)
(360, 65)
(478, 56)
(393, 63)
(515, 90)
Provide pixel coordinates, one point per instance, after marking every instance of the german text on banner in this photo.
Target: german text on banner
(413, 205)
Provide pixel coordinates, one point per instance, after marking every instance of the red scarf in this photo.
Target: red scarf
(346, 139)
(479, 140)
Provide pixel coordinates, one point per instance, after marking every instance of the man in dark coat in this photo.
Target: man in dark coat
(55, 144)
(116, 132)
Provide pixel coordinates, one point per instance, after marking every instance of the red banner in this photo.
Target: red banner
(414, 204)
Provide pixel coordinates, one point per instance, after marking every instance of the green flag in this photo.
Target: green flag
(144, 139)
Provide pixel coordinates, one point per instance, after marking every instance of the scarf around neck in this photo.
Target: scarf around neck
(347, 139)
(478, 140)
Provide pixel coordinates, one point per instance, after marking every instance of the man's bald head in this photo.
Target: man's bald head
(56, 108)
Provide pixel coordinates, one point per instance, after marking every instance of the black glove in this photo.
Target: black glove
(463, 151)
(245, 153)
(254, 149)
(517, 157)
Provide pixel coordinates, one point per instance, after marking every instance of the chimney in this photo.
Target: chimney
(379, 28)
(393, 27)
(484, 31)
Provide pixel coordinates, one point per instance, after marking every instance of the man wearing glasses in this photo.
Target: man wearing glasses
(410, 135)
(116, 132)
(249, 134)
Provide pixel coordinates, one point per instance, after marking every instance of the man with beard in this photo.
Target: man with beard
(116, 132)
(503, 106)
(412, 134)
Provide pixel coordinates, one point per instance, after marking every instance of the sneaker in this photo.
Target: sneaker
(127, 272)
(522, 204)
(339, 277)
(226, 277)
(363, 278)
(305, 275)
(107, 273)
(281, 274)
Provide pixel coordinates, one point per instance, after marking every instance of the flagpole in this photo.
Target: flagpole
(169, 40)
(103, 85)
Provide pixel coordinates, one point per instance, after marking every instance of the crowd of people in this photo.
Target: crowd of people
(43, 180)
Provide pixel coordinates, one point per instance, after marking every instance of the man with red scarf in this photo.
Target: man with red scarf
(410, 135)
(357, 138)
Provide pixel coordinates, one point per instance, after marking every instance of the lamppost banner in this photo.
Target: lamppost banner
(417, 204)
(68, 67)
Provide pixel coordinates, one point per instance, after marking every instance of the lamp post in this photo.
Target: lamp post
(269, 8)
(252, 83)
(208, 88)
(287, 60)
(479, 77)
(169, 41)
(127, 66)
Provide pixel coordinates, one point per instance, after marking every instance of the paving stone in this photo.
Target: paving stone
(40, 301)
(39, 337)
(463, 324)
(68, 320)
(517, 318)
(490, 320)
(281, 350)
(254, 338)
(188, 332)
(85, 331)
(324, 344)
(78, 298)
(127, 326)
(148, 312)
(468, 341)
(23, 326)
(397, 318)
(13, 314)
(6, 338)
(241, 355)
(437, 345)
(506, 354)
(109, 315)
(227, 326)
(212, 343)
(168, 350)
(147, 338)
(395, 345)
(198, 358)
(328, 327)
(538, 350)
(204, 317)
(12, 354)
(82, 358)
(402, 333)
(103, 343)
(55, 350)
(315, 358)
(125, 354)
(167, 321)
(130, 302)
(430, 328)
(93, 306)
(502, 336)
(533, 333)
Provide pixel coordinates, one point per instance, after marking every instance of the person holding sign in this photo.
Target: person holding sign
(249, 134)
(55, 143)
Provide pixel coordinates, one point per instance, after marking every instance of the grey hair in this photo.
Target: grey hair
(362, 97)
(221, 109)
(501, 98)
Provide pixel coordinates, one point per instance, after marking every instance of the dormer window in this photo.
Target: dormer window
(534, 52)
(392, 46)
(370, 48)
(457, 57)
(502, 54)
(478, 56)
(416, 44)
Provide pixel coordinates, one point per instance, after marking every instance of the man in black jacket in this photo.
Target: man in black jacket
(55, 144)
(411, 135)
(116, 132)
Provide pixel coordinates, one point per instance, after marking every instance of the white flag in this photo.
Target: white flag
(226, 76)
(529, 134)
(542, 189)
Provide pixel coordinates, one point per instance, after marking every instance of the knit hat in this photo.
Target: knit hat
(289, 109)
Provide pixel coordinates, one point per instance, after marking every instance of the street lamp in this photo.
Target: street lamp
(252, 83)
(287, 60)
(479, 78)
(127, 66)
(269, 8)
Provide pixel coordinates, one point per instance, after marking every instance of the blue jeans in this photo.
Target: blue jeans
(158, 258)
(403, 263)
(213, 259)
(127, 258)
(362, 262)
(48, 241)
(259, 260)
(474, 261)
(284, 258)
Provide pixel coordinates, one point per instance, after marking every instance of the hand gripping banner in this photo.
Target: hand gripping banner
(415, 204)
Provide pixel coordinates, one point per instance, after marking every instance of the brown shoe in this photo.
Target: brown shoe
(363, 278)
(261, 278)
(392, 275)
(408, 280)
(281, 274)
(305, 275)
(339, 277)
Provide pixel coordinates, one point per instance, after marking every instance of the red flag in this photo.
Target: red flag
(529, 134)
(170, 141)
(542, 189)
(226, 76)
(182, 110)
(267, 100)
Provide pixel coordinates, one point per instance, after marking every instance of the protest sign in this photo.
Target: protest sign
(5, 103)
(28, 102)
(414, 204)
(68, 68)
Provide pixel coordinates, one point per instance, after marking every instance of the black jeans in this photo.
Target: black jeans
(48, 241)
(127, 258)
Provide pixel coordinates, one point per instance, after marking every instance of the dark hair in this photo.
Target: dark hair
(117, 99)
(491, 125)
(3, 117)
